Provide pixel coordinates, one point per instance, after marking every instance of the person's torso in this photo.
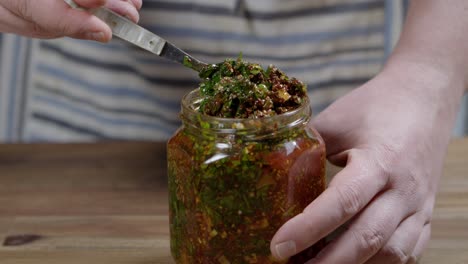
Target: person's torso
(77, 90)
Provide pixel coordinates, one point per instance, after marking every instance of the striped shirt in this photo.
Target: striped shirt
(72, 90)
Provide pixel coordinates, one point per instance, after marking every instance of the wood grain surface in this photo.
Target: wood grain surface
(106, 203)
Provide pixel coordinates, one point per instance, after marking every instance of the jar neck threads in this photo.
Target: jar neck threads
(248, 127)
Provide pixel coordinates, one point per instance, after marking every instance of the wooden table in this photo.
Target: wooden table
(107, 203)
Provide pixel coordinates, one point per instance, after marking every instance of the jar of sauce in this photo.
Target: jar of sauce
(234, 182)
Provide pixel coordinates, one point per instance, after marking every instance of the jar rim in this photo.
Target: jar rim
(190, 115)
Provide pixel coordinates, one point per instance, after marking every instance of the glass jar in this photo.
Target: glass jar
(234, 182)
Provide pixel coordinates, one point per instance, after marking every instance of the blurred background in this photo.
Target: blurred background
(68, 90)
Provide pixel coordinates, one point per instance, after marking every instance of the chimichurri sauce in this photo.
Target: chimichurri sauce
(229, 193)
(238, 89)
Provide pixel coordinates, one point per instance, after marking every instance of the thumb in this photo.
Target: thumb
(349, 192)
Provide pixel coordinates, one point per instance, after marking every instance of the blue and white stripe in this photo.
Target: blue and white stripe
(14, 80)
(84, 91)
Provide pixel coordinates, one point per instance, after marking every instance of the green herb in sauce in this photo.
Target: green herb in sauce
(188, 62)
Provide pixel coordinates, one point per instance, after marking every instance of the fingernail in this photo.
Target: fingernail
(98, 36)
(285, 250)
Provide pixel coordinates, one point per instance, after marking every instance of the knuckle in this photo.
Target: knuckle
(369, 240)
(139, 4)
(410, 190)
(131, 11)
(395, 255)
(64, 29)
(428, 213)
(36, 29)
(65, 26)
(388, 156)
(24, 10)
(125, 8)
(349, 199)
(414, 186)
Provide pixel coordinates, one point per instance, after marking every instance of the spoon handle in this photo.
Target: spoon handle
(143, 38)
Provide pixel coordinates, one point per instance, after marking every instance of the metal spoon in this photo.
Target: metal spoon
(143, 38)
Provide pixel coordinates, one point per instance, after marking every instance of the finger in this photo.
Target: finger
(137, 3)
(421, 244)
(349, 192)
(81, 24)
(90, 3)
(34, 19)
(367, 234)
(71, 22)
(124, 8)
(402, 243)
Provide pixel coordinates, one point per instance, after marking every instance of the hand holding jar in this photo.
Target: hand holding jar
(54, 18)
(391, 136)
